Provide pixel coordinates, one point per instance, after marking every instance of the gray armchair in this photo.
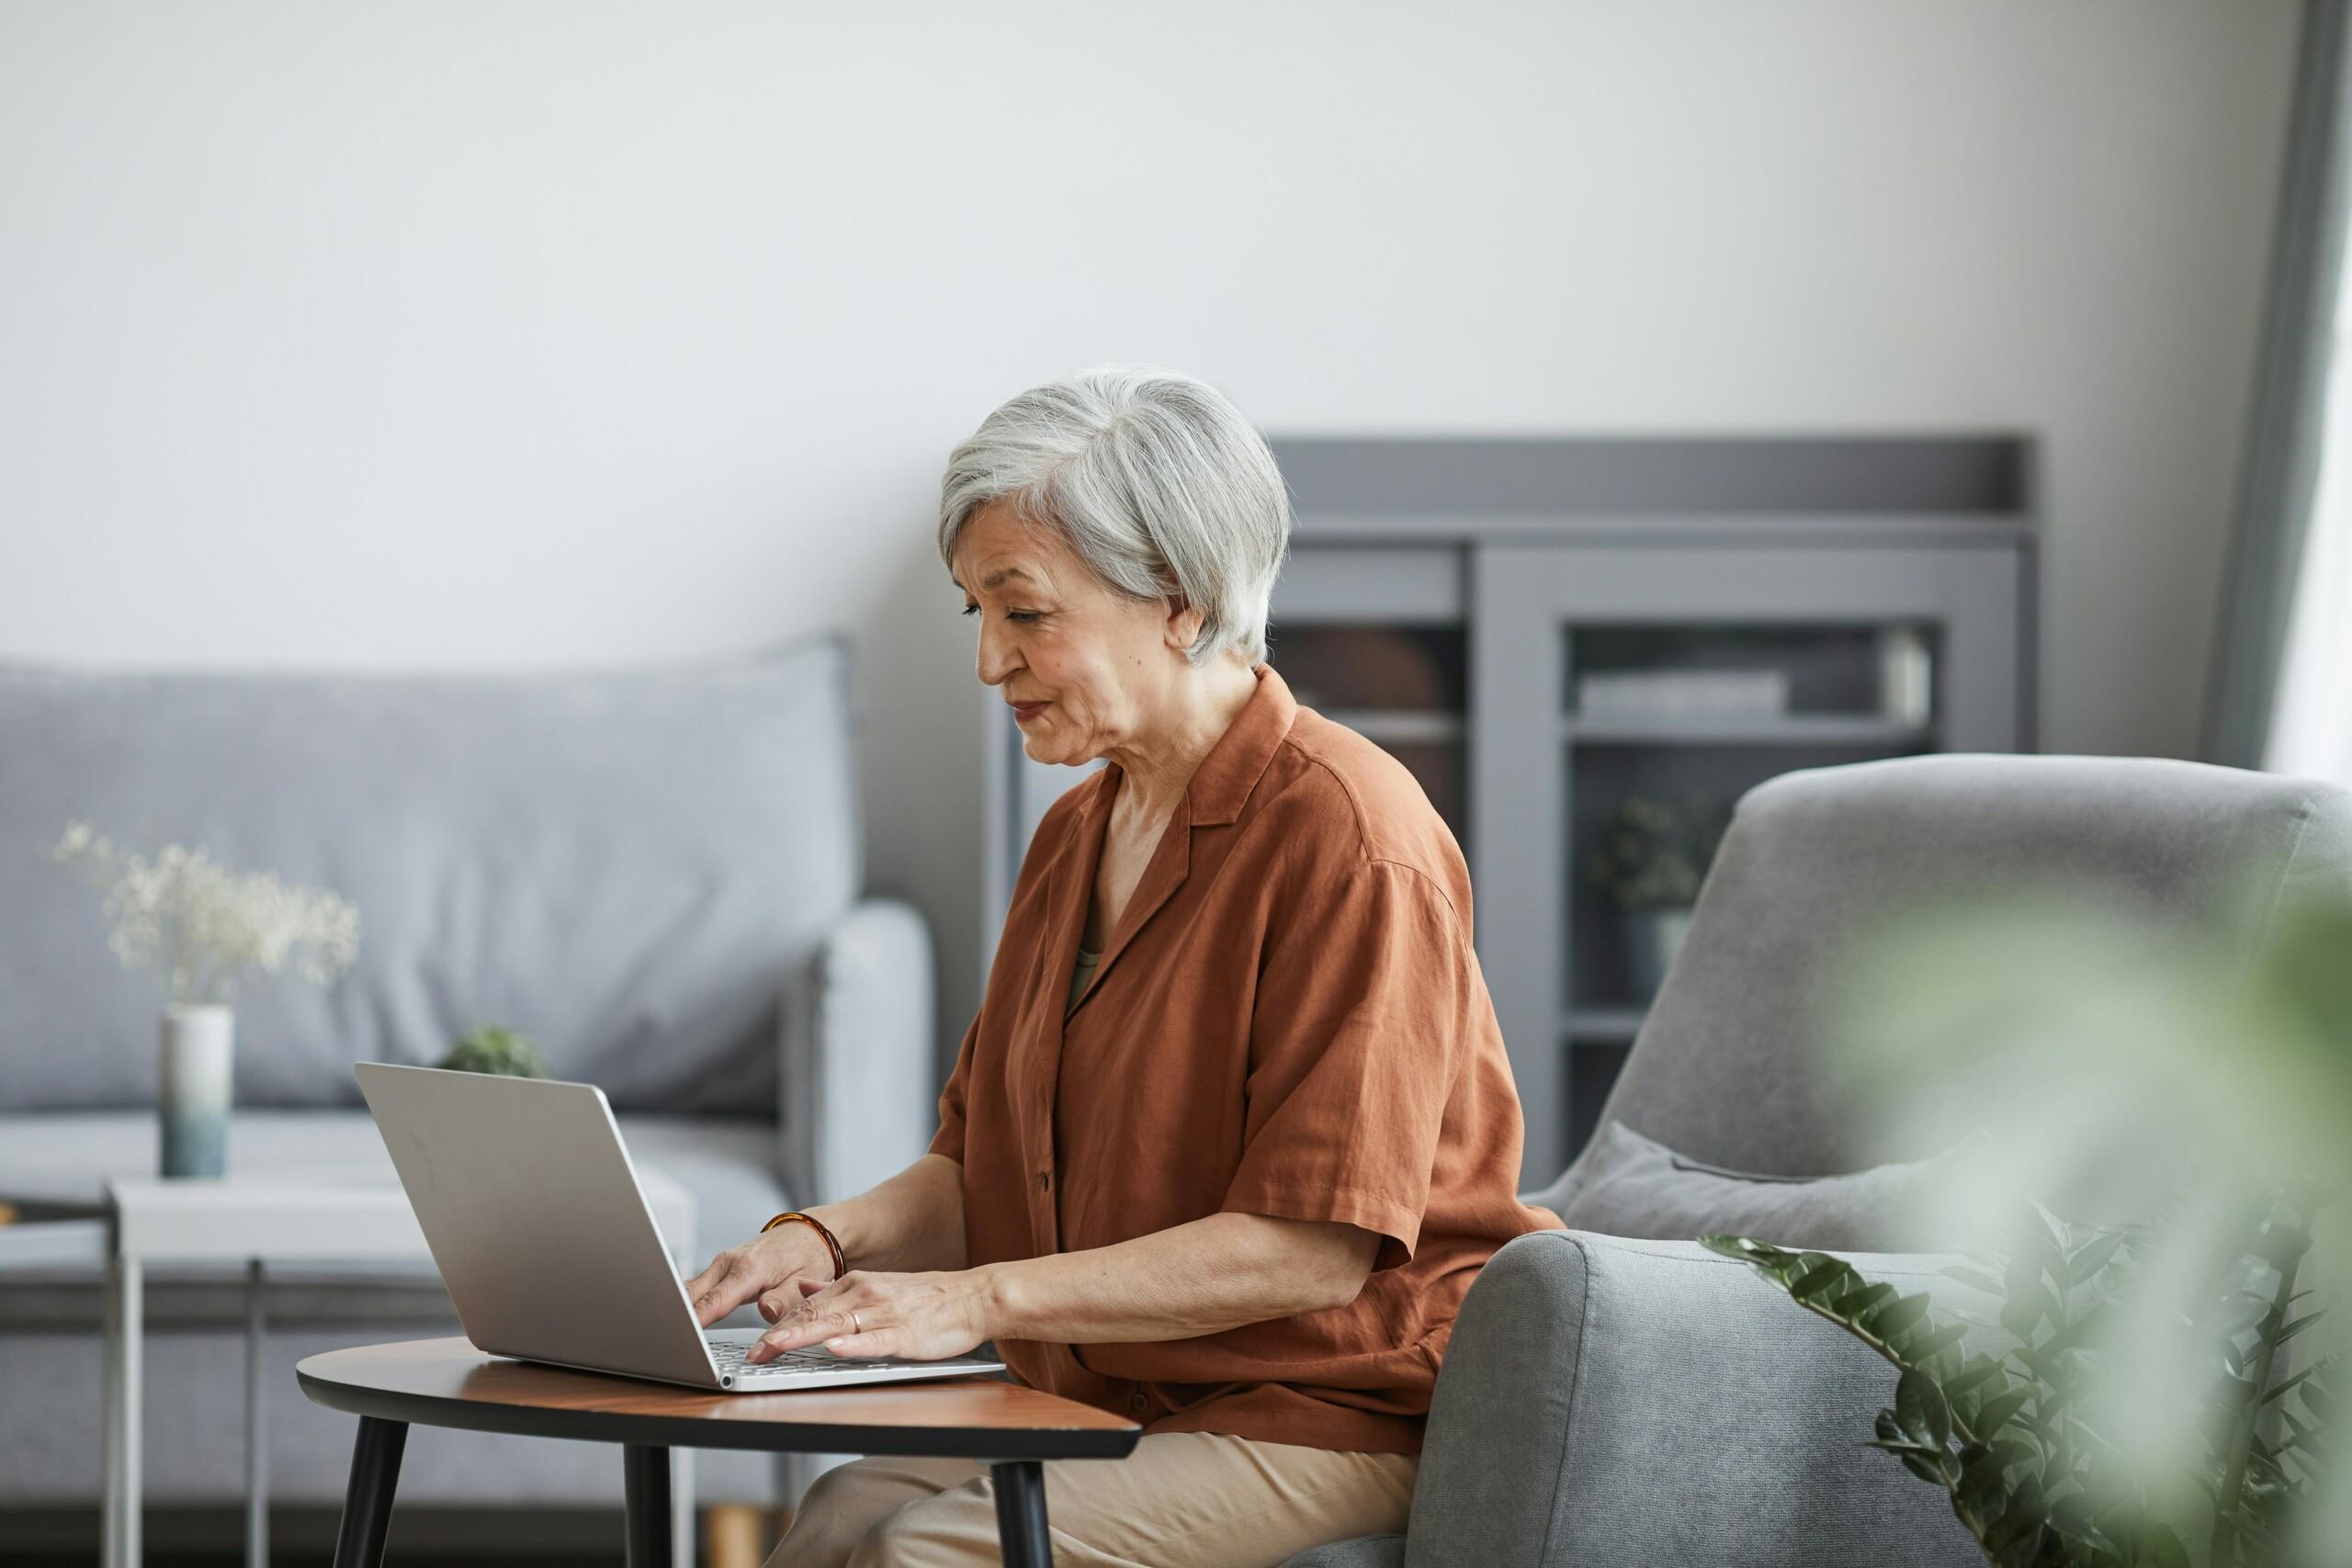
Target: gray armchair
(1611, 1401)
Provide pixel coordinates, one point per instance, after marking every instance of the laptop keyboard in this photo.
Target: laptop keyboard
(727, 1354)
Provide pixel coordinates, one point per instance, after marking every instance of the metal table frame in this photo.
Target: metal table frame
(281, 1216)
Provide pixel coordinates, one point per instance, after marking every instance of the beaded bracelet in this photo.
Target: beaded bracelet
(839, 1266)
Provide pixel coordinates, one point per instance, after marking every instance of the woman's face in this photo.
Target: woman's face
(1085, 668)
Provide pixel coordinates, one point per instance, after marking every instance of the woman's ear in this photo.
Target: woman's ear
(1182, 627)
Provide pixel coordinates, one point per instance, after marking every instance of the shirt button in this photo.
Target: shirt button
(1139, 1404)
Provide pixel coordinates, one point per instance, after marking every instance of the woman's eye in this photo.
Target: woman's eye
(971, 609)
(1023, 615)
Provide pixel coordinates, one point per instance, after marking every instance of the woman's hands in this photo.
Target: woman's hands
(920, 1317)
(762, 1269)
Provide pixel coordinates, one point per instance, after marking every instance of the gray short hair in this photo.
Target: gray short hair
(1154, 480)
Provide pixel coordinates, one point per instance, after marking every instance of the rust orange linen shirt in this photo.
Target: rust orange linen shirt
(1287, 1019)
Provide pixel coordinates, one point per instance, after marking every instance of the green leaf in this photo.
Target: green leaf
(1814, 1283)
(2283, 1243)
(1854, 1303)
(2298, 1325)
(1983, 1489)
(1998, 1411)
(1921, 1468)
(2070, 1516)
(2051, 1231)
(2092, 1321)
(2025, 1309)
(1976, 1369)
(2289, 1384)
(2024, 1552)
(2299, 1432)
(1919, 1408)
(2164, 1547)
(1899, 1445)
(1896, 1315)
(2093, 1256)
(2014, 1451)
(1926, 1346)
(2023, 1521)
(2049, 1368)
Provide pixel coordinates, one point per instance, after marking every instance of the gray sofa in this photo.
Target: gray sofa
(653, 871)
(1608, 1401)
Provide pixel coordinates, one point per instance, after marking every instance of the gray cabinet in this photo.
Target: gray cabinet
(1585, 650)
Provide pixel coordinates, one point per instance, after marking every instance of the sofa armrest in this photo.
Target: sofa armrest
(1613, 1401)
(859, 1052)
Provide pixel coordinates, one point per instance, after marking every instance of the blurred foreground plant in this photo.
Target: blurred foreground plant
(2153, 1383)
(2009, 1415)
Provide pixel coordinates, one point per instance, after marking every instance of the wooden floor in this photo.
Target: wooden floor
(731, 1537)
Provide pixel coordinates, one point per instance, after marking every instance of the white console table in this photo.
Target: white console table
(283, 1216)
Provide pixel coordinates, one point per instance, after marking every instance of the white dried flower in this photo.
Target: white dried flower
(195, 928)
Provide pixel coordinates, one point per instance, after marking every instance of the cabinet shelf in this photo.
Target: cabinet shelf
(1601, 1026)
(1737, 729)
(1401, 727)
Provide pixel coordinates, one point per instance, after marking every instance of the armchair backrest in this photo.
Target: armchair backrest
(1724, 1068)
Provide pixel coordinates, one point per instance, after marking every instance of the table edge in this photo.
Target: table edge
(990, 1444)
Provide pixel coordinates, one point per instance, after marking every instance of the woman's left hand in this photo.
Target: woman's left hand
(920, 1317)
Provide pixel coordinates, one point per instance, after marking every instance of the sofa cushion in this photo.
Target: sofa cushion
(627, 864)
(1633, 1186)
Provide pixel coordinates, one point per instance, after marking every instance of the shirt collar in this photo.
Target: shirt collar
(1231, 770)
(1234, 764)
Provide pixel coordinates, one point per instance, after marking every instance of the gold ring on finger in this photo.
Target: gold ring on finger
(853, 1324)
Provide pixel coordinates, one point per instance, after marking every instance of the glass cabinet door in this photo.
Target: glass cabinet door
(1377, 640)
(1624, 698)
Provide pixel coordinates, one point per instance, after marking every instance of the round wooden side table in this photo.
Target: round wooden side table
(447, 1383)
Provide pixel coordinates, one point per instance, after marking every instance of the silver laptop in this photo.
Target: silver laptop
(535, 1218)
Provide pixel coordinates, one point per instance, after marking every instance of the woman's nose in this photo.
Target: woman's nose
(996, 661)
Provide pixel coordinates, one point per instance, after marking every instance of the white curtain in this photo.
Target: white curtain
(2310, 727)
(2280, 695)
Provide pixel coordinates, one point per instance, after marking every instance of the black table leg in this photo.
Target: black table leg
(368, 1502)
(1021, 1514)
(644, 1475)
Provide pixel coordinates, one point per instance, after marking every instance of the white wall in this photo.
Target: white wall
(434, 335)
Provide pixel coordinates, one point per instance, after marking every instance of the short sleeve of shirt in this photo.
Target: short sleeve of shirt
(949, 1139)
(1357, 1030)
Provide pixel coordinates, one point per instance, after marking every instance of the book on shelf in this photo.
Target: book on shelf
(1906, 675)
(1674, 693)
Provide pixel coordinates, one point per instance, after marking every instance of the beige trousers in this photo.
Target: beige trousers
(1181, 1500)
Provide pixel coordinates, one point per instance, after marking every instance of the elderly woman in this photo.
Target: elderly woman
(1234, 1129)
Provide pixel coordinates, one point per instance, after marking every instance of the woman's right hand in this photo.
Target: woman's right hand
(764, 1269)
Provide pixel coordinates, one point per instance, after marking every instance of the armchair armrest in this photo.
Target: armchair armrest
(1614, 1400)
(858, 1056)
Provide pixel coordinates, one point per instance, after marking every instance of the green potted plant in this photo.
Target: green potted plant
(2028, 1437)
(1651, 861)
(495, 1048)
